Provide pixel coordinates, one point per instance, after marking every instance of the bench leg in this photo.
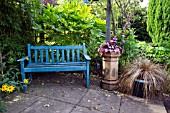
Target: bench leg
(87, 75)
(87, 79)
(30, 77)
(23, 84)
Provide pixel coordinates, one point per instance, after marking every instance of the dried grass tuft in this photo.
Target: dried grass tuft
(153, 75)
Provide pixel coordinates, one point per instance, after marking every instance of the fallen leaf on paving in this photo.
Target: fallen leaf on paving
(48, 105)
(89, 108)
(95, 98)
(95, 107)
(112, 108)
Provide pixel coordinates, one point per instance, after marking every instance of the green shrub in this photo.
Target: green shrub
(159, 55)
(158, 21)
(71, 24)
(15, 32)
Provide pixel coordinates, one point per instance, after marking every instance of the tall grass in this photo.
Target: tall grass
(153, 75)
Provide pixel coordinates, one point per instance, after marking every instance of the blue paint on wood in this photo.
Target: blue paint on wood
(62, 55)
(72, 55)
(56, 66)
(41, 55)
(29, 52)
(35, 52)
(52, 55)
(68, 55)
(57, 55)
(46, 55)
(58, 47)
(78, 55)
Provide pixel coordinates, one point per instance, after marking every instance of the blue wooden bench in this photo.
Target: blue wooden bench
(55, 59)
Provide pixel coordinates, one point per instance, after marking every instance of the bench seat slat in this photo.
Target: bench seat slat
(55, 68)
(60, 63)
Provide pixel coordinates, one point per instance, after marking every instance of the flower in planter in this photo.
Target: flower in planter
(111, 46)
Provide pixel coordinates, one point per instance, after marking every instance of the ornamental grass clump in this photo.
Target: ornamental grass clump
(152, 75)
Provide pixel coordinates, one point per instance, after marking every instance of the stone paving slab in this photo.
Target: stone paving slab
(79, 109)
(70, 94)
(157, 106)
(19, 101)
(45, 105)
(101, 100)
(139, 105)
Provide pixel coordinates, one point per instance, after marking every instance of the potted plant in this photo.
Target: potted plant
(110, 52)
(111, 47)
(143, 79)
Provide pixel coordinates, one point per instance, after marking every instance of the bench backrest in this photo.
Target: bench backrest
(48, 54)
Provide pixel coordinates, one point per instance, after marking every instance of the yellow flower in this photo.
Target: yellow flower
(10, 89)
(4, 87)
(27, 58)
(26, 81)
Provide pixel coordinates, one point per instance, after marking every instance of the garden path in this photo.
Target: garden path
(64, 93)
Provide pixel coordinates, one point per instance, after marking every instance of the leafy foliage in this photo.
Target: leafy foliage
(71, 24)
(139, 24)
(159, 55)
(15, 29)
(158, 21)
(15, 33)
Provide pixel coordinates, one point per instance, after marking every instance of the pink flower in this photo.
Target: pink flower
(111, 46)
(123, 41)
(114, 39)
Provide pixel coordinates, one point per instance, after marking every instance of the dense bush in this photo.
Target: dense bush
(71, 24)
(15, 33)
(158, 22)
(139, 24)
(15, 30)
(159, 55)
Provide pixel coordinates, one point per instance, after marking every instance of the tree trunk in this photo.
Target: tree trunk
(108, 20)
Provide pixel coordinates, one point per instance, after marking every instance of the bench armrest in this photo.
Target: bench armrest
(86, 57)
(23, 58)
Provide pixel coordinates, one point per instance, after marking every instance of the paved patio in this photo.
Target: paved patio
(65, 93)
